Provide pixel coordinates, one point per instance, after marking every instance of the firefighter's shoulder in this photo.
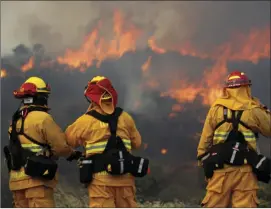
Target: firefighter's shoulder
(127, 117)
(84, 118)
(262, 108)
(214, 109)
(40, 115)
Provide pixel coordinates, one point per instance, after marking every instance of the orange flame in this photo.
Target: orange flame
(177, 108)
(145, 67)
(188, 50)
(172, 115)
(3, 73)
(29, 65)
(96, 49)
(154, 47)
(186, 93)
(163, 151)
(251, 48)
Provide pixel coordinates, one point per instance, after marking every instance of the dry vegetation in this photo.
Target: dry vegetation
(78, 199)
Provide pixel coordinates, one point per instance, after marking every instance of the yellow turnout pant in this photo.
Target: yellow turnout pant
(111, 196)
(236, 188)
(35, 197)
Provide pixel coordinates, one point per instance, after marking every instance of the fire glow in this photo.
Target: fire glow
(3, 73)
(29, 65)
(163, 151)
(95, 49)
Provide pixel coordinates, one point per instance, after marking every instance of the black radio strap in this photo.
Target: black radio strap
(235, 120)
(112, 120)
(22, 114)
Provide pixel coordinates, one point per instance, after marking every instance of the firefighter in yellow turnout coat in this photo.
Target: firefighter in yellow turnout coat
(105, 190)
(40, 126)
(230, 185)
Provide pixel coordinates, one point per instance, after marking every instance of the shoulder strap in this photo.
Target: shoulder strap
(15, 117)
(235, 120)
(225, 114)
(112, 121)
(245, 125)
(105, 118)
(22, 114)
(98, 116)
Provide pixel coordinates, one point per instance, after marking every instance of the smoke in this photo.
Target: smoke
(49, 28)
(59, 25)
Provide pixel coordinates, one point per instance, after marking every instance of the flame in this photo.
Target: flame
(145, 67)
(177, 108)
(29, 65)
(3, 73)
(96, 49)
(163, 151)
(187, 49)
(172, 115)
(251, 48)
(185, 93)
(154, 47)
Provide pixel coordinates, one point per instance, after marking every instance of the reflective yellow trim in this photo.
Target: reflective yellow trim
(96, 144)
(17, 175)
(93, 151)
(233, 77)
(250, 139)
(97, 78)
(104, 173)
(100, 146)
(36, 150)
(32, 147)
(222, 135)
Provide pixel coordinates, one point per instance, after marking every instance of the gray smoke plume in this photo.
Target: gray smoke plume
(47, 29)
(60, 24)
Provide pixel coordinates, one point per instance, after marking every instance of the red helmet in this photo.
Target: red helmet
(100, 91)
(31, 87)
(237, 79)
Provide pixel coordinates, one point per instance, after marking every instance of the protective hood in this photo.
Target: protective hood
(238, 99)
(103, 94)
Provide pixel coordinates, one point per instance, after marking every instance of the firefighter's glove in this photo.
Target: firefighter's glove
(74, 156)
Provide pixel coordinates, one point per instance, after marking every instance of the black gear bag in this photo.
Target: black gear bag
(36, 165)
(235, 151)
(115, 159)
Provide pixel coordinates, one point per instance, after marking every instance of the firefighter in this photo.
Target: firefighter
(228, 146)
(105, 190)
(34, 135)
